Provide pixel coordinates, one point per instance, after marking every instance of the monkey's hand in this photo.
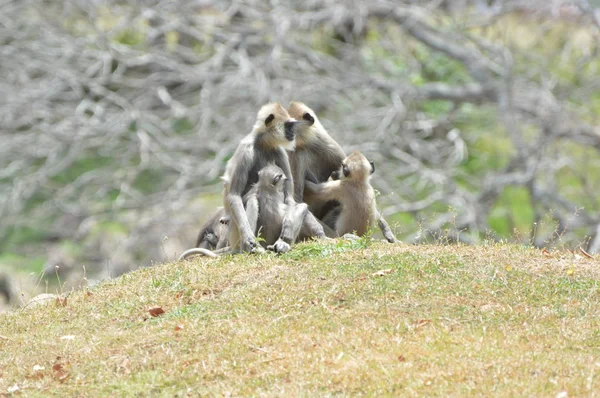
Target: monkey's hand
(280, 246)
(248, 243)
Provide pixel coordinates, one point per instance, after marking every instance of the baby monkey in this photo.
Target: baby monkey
(354, 191)
(266, 210)
(215, 232)
(266, 207)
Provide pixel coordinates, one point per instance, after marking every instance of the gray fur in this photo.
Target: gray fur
(317, 155)
(215, 232)
(266, 205)
(272, 135)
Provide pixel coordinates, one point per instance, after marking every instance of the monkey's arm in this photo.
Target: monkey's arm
(235, 189)
(329, 190)
(288, 234)
(385, 229)
(252, 212)
(309, 177)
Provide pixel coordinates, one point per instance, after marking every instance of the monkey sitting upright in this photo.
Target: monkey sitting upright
(266, 210)
(273, 133)
(354, 191)
(266, 207)
(316, 155)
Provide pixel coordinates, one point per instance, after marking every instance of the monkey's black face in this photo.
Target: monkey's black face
(345, 170)
(290, 134)
(372, 166)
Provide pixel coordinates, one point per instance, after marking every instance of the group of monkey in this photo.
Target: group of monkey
(288, 180)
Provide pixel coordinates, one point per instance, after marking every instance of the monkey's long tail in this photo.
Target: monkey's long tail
(204, 252)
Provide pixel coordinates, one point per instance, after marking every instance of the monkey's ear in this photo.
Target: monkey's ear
(372, 166)
(269, 119)
(335, 175)
(309, 118)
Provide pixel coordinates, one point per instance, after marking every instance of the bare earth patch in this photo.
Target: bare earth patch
(347, 318)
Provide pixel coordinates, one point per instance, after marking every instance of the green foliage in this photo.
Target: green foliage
(436, 108)
(149, 180)
(109, 227)
(130, 37)
(85, 163)
(183, 126)
(439, 68)
(22, 235)
(512, 212)
(21, 263)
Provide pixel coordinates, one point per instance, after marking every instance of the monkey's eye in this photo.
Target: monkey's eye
(277, 178)
(308, 117)
(345, 170)
(269, 119)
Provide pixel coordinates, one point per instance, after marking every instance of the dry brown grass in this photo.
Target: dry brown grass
(497, 320)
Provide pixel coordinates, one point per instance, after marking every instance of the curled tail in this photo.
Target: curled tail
(203, 252)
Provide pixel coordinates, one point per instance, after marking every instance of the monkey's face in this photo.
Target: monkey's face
(356, 167)
(275, 126)
(272, 178)
(308, 125)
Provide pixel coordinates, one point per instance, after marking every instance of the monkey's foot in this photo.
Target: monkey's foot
(393, 240)
(280, 247)
(325, 239)
(249, 244)
(351, 237)
(258, 250)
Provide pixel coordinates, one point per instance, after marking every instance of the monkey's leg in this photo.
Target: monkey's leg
(300, 213)
(223, 231)
(296, 221)
(291, 227)
(386, 230)
(252, 214)
(308, 228)
(241, 235)
(223, 241)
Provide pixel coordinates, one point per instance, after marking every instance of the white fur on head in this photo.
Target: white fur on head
(274, 131)
(297, 110)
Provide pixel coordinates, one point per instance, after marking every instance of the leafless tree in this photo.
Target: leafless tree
(127, 111)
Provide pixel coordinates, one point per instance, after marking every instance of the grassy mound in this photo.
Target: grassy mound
(349, 318)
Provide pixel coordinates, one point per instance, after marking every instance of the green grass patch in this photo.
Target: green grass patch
(339, 318)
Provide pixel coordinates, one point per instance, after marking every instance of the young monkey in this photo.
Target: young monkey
(266, 211)
(215, 231)
(354, 191)
(266, 207)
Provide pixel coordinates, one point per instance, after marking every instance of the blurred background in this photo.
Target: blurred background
(117, 119)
